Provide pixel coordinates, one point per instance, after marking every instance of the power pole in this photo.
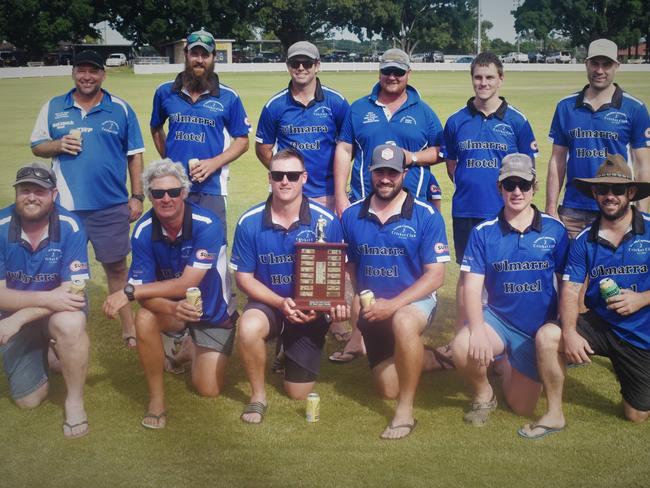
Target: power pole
(478, 30)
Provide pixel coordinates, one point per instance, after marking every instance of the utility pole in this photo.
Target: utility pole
(478, 30)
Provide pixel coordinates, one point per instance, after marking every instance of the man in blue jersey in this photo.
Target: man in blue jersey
(600, 119)
(178, 245)
(615, 246)
(263, 261)
(516, 257)
(206, 121)
(93, 137)
(397, 248)
(43, 248)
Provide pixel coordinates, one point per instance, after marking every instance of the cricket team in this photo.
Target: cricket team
(539, 290)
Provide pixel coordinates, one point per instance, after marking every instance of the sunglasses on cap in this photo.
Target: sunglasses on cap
(616, 189)
(160, 193)
(306, 63)
(38, 173)
(397, 72)
(509, 185)
(204, 38)
(278, 176)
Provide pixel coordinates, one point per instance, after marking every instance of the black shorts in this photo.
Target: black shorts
(462, 227)
(302, 343)
(631, 364)
(379, 340)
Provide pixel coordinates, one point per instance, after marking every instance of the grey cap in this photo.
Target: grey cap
(395, 58)
(603, 47)
(517, 164)
(38, 173)
(303, 48)
(388, 156)
(201, 38)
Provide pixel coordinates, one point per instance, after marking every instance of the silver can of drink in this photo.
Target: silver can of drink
(78, 287)
(313, 407)
(193, 296)
(608, 288)
(75, 133)
(367, 298)
(192, 162)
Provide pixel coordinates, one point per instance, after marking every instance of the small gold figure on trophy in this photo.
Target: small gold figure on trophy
(320, 229)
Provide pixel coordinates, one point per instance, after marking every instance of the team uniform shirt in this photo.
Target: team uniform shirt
(390, 257)
(310, 129)
(433, 190)
(590, 136)
(95, 178)
(478, 143)
(519, 268)
(61, 256)
(268, 250)
(594, 257)
(413, 127)
(202, 129)
(200, 244)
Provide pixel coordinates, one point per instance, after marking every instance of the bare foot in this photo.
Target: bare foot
(76, 421)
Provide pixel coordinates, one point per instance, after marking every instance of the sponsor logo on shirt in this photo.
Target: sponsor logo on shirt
(503, 129)
(76, 266)
(366, 250)
(580, 133)
(647, 133)
(408, 119)
(618, 270)
(62, 124)
(204, 255)
(306, 236)
(545, 242)
(61, 115)
(19, 275)
(272, 258)
(370, 118)
(591, 153)
(440, 248)
(213, 105)
(110, 126)
(323, 111)
(616, 118)
(533, 146)
(53, 255)
(404, 232)
(641, 246)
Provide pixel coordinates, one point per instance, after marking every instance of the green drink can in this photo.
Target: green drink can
(608, 288)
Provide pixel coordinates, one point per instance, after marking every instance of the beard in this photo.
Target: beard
(198, 83)
(387, 195)
(616, 215)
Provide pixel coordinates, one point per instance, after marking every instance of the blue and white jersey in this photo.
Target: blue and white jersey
(268, 250)
(413, 127)
(201, 244)
(61, 256)
(628, 265)
(519, 268)
(95, 178)
(311, 129)
(589, 136)
(202, 129)
(390, 257)
(478, 143)
(433, 190)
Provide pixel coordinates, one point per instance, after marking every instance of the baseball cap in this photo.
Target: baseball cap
(201, 38)
(37, 173)
(388, 156)
(89, 57)
(395, 58)
(517, 164)
(303, 48)
(603, 47)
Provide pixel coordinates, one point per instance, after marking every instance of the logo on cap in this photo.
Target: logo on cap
(387, 154)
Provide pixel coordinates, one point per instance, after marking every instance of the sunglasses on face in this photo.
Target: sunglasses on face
(306, 63)
(293, 176)
(617, 189)
(204, 38)
(157, 194)
(509, 185)
(398, 73)
(38, 173)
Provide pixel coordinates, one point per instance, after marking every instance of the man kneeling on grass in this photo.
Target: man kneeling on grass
(516, 257)
(615, 246)
(263, 260)
(178, 245)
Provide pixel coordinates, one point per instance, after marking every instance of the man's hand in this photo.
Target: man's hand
(69, 145)
(135, 209)
(8, 328)
(576, 347)
(202, 170)
(627, 302)
(294, 315)
(186, 312)
(480, 348)
(382, 309)
(114, 302)
(340, 313)
(61, 300)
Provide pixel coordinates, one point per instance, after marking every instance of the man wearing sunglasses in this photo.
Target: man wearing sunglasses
(516, 257)
(263, 261)
(615, 246)
(596, 121)
(93, 137)
(206, 121)
(178, 245)
(43, 248)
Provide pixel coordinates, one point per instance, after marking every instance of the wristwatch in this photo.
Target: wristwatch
(129, 291)
(138, 196)
(414, 159)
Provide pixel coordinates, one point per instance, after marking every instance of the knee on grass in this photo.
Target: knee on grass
(34, 399)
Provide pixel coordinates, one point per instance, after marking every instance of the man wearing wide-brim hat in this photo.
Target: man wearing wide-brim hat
(615, 247)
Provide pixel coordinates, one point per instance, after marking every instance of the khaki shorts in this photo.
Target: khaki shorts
(576, 220)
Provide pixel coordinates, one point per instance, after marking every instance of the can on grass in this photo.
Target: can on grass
(367, 298)
(608, 288)
(78, 287)
(313, 407)
(193, 296)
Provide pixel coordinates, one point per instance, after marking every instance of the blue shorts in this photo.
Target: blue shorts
(108, 230)
(24, 359)
(520, 347)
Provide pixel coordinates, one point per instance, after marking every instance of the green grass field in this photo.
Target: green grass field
(205, 444)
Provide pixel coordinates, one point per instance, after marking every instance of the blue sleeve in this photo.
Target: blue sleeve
(474, 258)
(640, 136)
(561, 251)
(334, 230)
(434, 192)
(74, 265)
(340, 114)
(433, 246)
(207, 244)
(158, 114)
(243, 257)
(557, 134)
(351, 249)
(449, 142)
(135, 141)
(237, 123)
(434, 130)
(266, 128)
(576, 267)
(526, 142)
(143, 263)
(347, 131)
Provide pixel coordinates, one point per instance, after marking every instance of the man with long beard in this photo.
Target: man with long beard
(206, 122)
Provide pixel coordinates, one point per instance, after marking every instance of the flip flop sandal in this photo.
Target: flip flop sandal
(337, 357)
(157, 418)
(78, 435)
(254, 407)
(410, 428)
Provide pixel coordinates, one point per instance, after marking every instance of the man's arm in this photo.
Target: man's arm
(135, 175)
(159, 137)
(576, 347)
(11, 325)
(66, 145)
(628, 301)
(555, 178)
(641, 165)
(480, 348)
(56, 300)
(426, 157)
(264, 153)
(206, 167)
(342, 165)
(451, 168)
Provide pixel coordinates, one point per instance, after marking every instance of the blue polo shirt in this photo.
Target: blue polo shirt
(590, 136)
(413, 127)
(61, 256)
(390, 257)
(268, 250)
(200, 129)
(310, 129)
(95, 178)
(519, 268)
(628, 265)
(478, 143)
(201, 244)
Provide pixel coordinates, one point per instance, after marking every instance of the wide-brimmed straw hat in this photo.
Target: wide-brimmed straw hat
(613, 171)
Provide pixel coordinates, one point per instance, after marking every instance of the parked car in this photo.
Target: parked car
(535, 57)
(436, 57)
(419, 58)
(266, 57)
(116, 59)
(515, 57)
(559, 57)
(465, 59)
